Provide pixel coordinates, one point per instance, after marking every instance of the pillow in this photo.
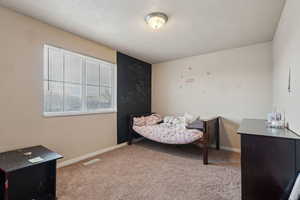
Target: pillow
(139, 121)
(147, 121)
(152, 119)
(188, 118)
(181, 120)
(197, 124)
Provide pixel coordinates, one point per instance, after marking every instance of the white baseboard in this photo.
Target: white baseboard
(230, 149)
(227, 148)
(89, 155)
(93, 154)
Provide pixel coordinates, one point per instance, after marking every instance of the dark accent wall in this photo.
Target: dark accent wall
(134, 91)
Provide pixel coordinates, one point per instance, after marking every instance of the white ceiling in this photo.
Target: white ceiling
(194, 26)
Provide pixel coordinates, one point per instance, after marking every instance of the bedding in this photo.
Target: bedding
(181, 120)
(173, 130)
(168, 133)
(147, 121)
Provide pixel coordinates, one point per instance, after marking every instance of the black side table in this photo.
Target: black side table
(21, 179)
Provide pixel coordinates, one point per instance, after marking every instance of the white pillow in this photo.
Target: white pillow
(178, 120)
(188, 118)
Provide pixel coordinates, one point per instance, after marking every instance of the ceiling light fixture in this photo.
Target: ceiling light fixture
(156, 20)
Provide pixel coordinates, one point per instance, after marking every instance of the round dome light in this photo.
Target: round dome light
(156, 20)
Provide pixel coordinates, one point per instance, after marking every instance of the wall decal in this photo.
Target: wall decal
(187, 78)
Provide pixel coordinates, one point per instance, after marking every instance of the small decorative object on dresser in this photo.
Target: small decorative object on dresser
(276, 120)
(27, 174)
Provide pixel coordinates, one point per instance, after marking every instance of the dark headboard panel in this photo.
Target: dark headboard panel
(134, 91)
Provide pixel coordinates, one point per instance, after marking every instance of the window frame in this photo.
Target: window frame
(84, 110)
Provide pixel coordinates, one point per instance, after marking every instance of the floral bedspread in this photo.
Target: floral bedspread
(165, 133)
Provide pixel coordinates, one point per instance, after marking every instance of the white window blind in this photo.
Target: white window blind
(77, 84)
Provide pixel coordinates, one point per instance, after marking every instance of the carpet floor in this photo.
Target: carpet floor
(152, 171)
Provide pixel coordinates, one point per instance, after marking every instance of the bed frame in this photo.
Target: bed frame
(210, 127)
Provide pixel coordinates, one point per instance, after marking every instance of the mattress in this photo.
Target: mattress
(164, 133)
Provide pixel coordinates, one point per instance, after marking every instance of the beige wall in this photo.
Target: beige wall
(21, 63)
(286, 55)
(234, 84)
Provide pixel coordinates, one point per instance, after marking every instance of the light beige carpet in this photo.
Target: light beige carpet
(152, 171)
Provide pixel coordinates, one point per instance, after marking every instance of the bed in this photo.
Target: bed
(157, 131)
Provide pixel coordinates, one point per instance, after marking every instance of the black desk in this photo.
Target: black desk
(23, 180)
(270, 160)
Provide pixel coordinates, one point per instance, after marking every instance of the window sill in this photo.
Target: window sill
(67, 114)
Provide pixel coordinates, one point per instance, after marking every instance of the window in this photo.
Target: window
(76, 84)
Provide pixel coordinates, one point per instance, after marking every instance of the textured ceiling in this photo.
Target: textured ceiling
(194, 26)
